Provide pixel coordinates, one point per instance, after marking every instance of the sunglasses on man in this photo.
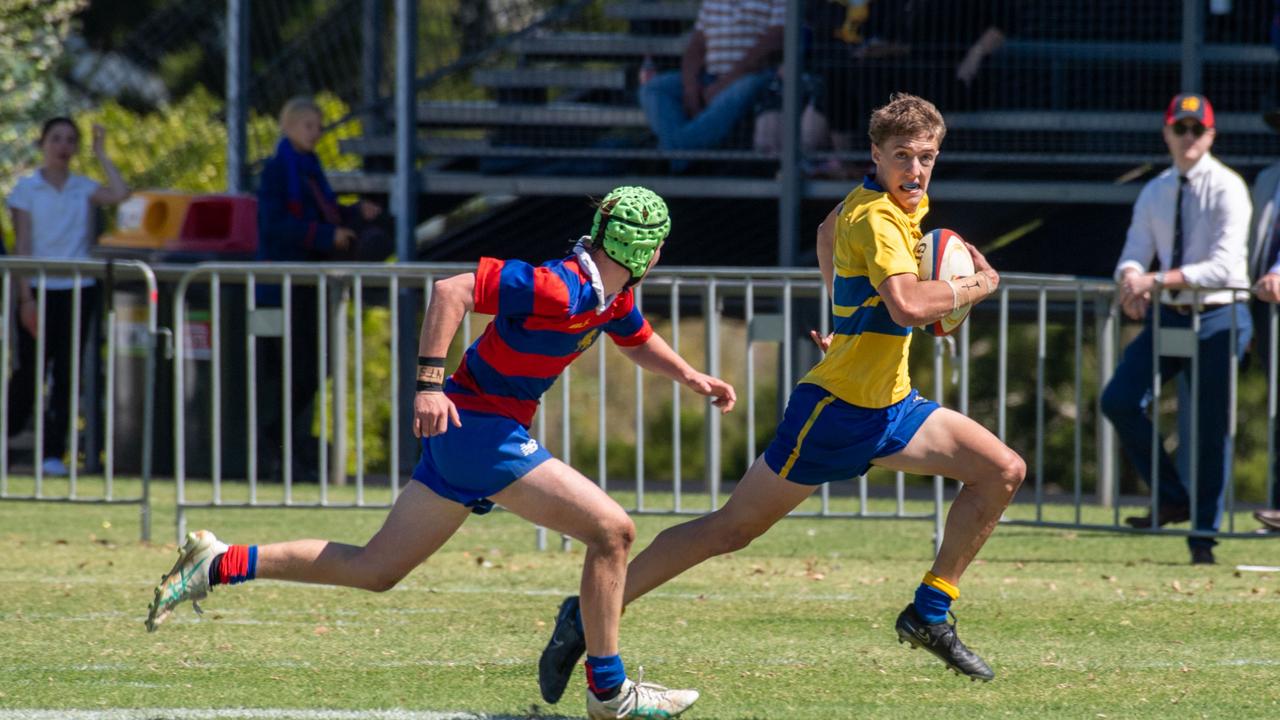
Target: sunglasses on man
(1195, 128)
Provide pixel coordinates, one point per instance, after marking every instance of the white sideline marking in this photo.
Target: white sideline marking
(15, 668)
(472, 590)
(250, 714)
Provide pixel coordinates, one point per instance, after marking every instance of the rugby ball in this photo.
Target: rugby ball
(943, 256)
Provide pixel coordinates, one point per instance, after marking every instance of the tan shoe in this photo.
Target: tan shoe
(1167, 514)
(1270, 519)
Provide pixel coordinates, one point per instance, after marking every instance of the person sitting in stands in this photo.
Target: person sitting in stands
(726, 64)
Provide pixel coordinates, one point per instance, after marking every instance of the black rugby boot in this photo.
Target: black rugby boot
(563, 651)
(941, 640)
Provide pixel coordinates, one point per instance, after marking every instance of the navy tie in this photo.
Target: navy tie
(1175, 260)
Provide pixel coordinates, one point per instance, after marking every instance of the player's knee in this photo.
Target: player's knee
(1013, 470)
(737, 539)
(616, 535)
(730, 536)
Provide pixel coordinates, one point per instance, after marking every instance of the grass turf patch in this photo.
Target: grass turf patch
(798, 625)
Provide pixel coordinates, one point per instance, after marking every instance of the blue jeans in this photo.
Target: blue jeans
(1126, 403)
(663, 102)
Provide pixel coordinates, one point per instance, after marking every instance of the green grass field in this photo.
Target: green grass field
(799, 625)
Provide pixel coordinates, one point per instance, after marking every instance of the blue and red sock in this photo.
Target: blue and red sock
(238, 564)
(605, 676)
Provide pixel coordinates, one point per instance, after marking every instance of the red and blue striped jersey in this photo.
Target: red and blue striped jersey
(544, 317)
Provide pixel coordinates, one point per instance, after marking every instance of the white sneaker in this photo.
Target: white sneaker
(189, 578)
(641, 700)
(54, 466)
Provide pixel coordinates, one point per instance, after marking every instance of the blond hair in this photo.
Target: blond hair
(906, 116)
(295, 105)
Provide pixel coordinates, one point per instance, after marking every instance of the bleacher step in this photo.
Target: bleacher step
(569, 78)
(486, 113)
(640, 10)
(601, 45)
(1089, 121)
(1083, 191)
(480, 147)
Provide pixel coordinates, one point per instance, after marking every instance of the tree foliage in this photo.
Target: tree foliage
(32, 33)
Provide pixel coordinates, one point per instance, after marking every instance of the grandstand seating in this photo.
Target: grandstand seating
(1087, 105)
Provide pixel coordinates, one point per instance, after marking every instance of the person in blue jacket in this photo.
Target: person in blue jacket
(300, 220)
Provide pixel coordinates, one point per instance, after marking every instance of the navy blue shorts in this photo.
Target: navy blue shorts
(822, 438)
(468, 464)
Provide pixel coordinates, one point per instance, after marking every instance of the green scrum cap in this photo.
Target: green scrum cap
(630, 225)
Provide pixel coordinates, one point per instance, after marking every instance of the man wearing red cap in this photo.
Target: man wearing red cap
(1194, 219)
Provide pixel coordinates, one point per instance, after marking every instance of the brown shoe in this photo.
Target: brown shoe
(1270, 519)
(1167, 514)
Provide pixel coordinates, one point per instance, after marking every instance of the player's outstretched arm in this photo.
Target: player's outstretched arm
(451, 299)
(656, 356)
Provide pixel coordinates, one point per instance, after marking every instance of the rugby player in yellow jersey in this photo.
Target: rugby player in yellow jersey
(856, 407)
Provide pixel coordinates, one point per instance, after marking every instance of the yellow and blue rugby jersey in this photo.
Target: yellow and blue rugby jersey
(874, 239)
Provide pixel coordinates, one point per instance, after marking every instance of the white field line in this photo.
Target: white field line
(250, 714)
(476, 662)
(14, 668)
(468, 590)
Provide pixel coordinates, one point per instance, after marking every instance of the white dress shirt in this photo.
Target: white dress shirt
(1215, 231)
(60, 220)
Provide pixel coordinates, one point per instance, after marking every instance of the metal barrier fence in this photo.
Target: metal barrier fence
(657, 452)
(277, 304)
(137, 332)
(718, 318)
(761, 303)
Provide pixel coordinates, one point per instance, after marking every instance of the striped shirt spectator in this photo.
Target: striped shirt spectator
(732, 27)
(728, 62)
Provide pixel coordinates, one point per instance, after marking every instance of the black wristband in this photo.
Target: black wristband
(430, 374)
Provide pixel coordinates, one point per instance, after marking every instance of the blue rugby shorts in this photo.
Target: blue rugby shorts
(822, 438)
(468, 464)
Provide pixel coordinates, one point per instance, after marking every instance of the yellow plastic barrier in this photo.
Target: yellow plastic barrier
(148, 220)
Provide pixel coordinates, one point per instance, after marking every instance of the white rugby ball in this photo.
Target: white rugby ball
(943, 256)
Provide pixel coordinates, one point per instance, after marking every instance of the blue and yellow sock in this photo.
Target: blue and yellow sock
(605, 676)
(933, 598)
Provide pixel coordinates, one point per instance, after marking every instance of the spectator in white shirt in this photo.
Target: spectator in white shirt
(1193, 218)
(52, 212)
(1264, 267)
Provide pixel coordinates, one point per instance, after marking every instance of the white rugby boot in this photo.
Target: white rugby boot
(189, 578)
(640, 699)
